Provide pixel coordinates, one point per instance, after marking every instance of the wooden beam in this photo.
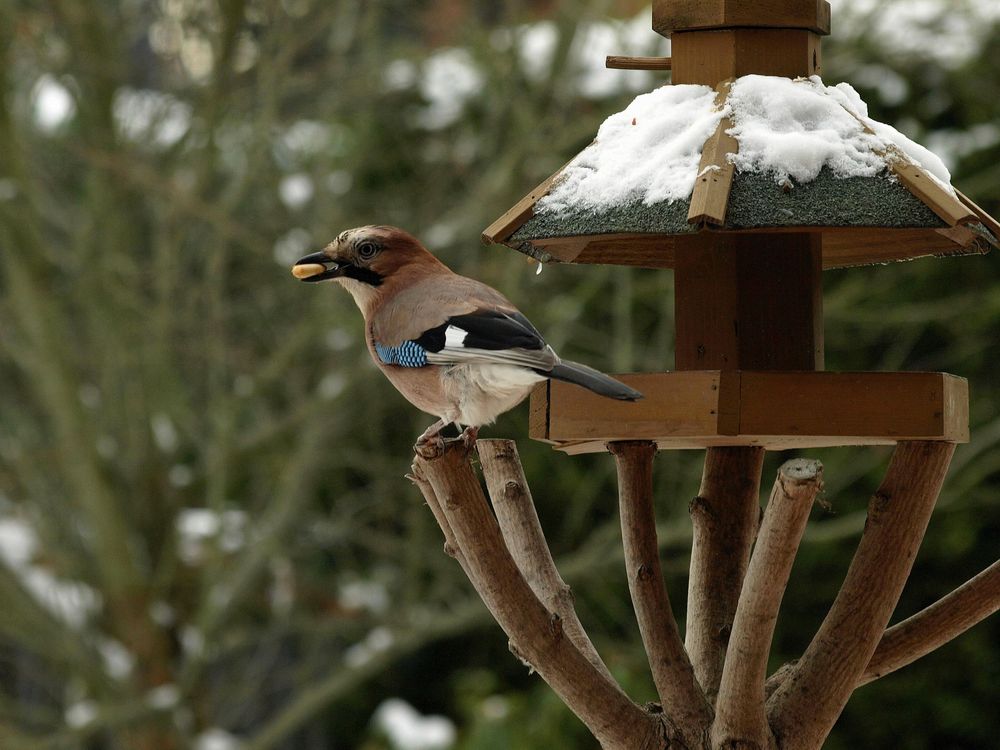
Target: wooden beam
(710, 196)
(622, 62)
(775, 410)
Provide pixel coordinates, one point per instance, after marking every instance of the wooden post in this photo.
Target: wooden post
(749, 302)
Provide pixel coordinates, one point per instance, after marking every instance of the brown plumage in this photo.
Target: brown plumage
(453, 346)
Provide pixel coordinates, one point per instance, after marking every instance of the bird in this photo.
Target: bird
(453, 346)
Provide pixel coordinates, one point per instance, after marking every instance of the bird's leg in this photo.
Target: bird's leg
(430, 444)
(468, 437)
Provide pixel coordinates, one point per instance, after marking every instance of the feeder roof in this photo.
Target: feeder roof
(762, 153)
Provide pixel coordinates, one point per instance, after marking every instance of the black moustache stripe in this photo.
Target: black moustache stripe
(364, 275)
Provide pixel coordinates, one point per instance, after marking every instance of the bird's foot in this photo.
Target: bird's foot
(430, 444)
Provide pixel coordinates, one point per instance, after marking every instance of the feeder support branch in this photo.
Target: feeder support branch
(740, 716)
(536, 634)
(804, 708)
(680, 694)
(522, 531)
(724, 515)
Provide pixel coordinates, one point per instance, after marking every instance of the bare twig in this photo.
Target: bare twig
(525, 539)
(803, 710)
(536, 635)
(933, 626)
(681, 695)
(724, 517)
(740, 715)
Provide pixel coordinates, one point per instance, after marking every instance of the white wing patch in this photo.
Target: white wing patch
(454, 337)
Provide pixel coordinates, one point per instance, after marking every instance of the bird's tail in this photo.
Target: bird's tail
(591, 379)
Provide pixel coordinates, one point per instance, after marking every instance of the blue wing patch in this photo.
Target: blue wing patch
(407, 354)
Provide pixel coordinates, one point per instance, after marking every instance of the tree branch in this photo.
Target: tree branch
(803, 709)
(451, 547)
(681, 695)
(933, 626)
(740, 715)
(536, 635)
(522, 531)
(724, 517)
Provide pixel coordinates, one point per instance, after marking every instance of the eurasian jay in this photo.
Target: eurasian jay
(453, 346)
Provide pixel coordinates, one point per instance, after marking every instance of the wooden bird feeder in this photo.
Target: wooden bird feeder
(747, 249)
(748, 252)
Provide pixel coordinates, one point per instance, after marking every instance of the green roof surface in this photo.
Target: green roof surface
(756, 201)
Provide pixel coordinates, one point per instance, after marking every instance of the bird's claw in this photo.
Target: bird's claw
(468, 437)
(429, 447)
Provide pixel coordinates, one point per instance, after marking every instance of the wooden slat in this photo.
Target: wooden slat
(862, 246)
(777, 410)
(622, 62)
(894, 405)
(988, 221)
(915, 179)
(643, 251)
(688, 407)
(710, 196)
(678, 15)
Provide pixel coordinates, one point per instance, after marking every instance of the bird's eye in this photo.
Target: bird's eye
(367, 250)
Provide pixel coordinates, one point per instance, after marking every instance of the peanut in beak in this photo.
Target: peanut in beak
(306, 270)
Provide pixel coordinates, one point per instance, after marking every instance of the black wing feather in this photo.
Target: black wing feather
(493, 330)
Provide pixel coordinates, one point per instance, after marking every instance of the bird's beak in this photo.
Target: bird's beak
(318, 267)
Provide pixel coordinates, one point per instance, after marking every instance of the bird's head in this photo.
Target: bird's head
(367, 256)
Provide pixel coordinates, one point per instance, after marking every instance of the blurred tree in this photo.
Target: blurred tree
(205, 536)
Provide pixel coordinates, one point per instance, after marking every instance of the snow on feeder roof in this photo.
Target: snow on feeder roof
(760, 153)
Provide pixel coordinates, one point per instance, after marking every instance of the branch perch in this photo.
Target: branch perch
(724, 517)
(522, 531)
(740, 715)
(804, 708)
(680, 694)
(536, 635)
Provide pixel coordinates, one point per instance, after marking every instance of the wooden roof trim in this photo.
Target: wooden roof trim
(927, 189)
(921, 184)
(988, 221)
(515, 217)
(710, 196)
